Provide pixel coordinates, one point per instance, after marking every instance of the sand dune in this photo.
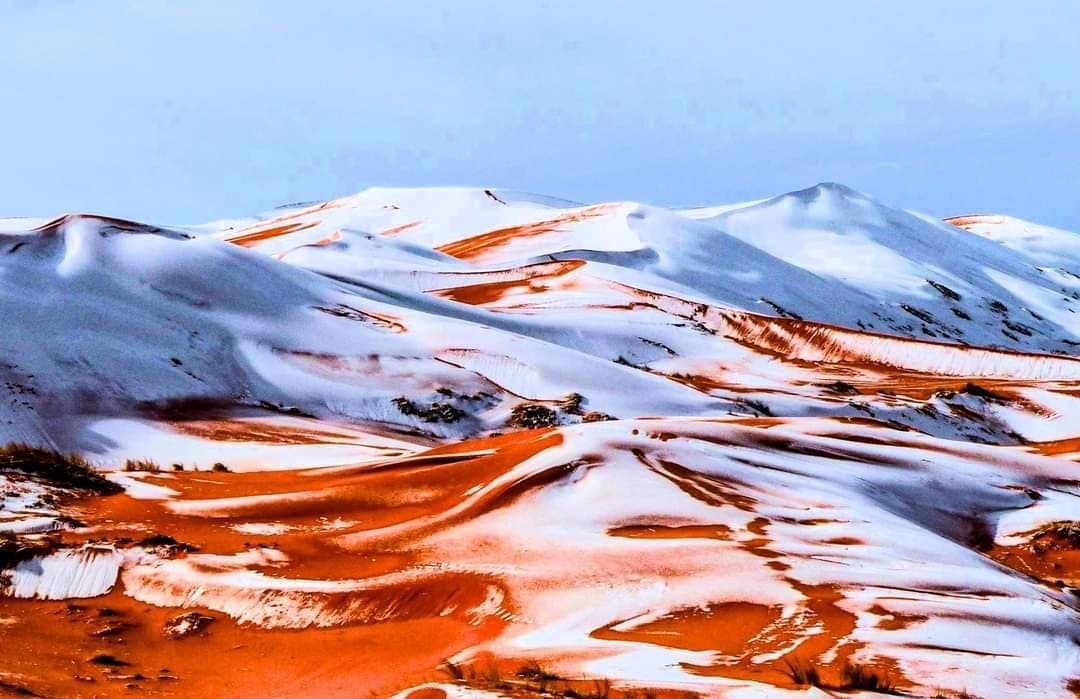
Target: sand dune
(471, 442)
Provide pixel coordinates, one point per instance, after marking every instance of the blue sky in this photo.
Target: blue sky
(180, 112)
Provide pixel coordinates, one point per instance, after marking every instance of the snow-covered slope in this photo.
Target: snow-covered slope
(929, 279)
(658, 290)
(827, 253)
(470, 292)
(121, 320)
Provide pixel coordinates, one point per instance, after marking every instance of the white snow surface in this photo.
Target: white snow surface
(88, 571)
(335, 309)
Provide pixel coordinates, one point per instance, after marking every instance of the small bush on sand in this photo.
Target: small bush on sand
(802, 673)
(1064, 531)
(54, 468)
(757, 406)
(538, 676)
(144, 465)
(532, 679)
(571, 405)
(108, 660)
(168, 543)
(436, 412)
(532, 415)
(862, 677)
(852, 676)
(456, 672)
(220, 468)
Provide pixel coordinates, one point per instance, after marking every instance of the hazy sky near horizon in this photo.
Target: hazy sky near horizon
(178, 112)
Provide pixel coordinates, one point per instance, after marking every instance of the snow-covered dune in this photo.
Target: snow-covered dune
(477, 442)
(391, 298)
(827, 253)
(129, 321)
(931, 279)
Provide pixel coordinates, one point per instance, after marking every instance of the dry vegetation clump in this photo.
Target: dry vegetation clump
(166, 544)
(852, 676)
(863, 677)
(436, 412)
(533, 415)
(802, 673)
(143, 465)
(532, 680)
(757, 406)
(572, 404)
(108, 660)
(841, 387)
(1065, 532)
(53, 468)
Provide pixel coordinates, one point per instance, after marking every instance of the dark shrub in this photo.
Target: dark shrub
(62, 470)
(532, 415)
